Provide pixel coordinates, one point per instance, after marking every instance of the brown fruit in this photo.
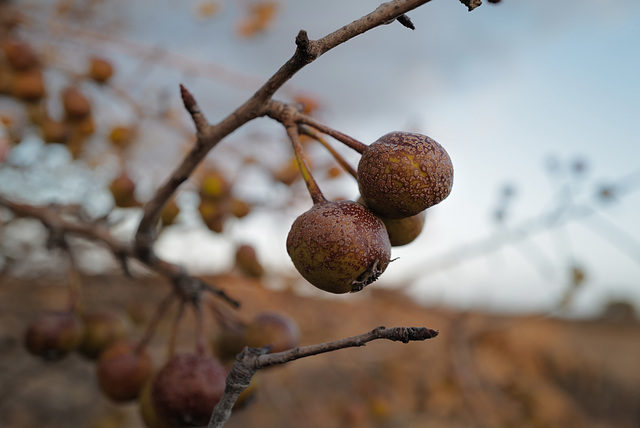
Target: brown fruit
(147, 411)
(123, 191)
(121, 136)
(276, 330)
(101, 330)
(122, 371)
(227, 343)
(75, 103)
(54, 131)
(53, 335)
(247, 261)
(239, 208)
(20, 55)
(212, 214)
(403, 231)
(403, 173)
(29, 86)
(214, 186)
(100, 69)
(339, 247)
(187, 388)
(169, 213)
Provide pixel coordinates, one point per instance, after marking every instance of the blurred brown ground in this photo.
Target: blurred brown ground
(483, 370)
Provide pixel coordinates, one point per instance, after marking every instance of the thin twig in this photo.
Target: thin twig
(250, 360)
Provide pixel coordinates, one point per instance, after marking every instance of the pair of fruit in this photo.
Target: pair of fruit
(343, 246)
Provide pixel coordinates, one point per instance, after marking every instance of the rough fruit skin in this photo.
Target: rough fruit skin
(122, 371)
(403, 173)
(53, 335)
(187, 388)
(101, 330)
(339, 247)
(273, 329)
(403, 231)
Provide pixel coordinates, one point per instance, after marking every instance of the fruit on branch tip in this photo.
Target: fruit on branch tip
(121, 136)
(274, 329)
(101, 330)
(239, 208)
(404, 173)
(54, 131)
(185, 391)
(76, 105)
(213, 215)
(53, 335)
(214, 186)
(227, 343)
(123, 191)
(403, 231)
(100, 69)
(122, 371)
(169, 213)
(20, 55)
(247, 261)
(147, 411)
(29, 86)
(339, 247)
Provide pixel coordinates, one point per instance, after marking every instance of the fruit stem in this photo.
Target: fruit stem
(312, 185)
(343, 138)
(337, 156)
(161, 310)
(173, 336)
(200, 330)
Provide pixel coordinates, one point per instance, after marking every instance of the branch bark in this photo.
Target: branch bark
(250, 360)
(209, 135)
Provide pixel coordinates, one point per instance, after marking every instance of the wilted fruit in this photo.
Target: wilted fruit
(20, 55)
(403, 231)
(54, 131)
(29, 86)
(122, 371)
(339, 247)
(121, 136)
(212, 214)
(228, 342)
(247, 261)
(403, 173)
(273, 329)
(101, 330)
(187, 388)
(214, 186)
(169, 213)
(53, 335)
(100, 69)
(123, 191)
(76, 105)
(239, 208)
(147, 411)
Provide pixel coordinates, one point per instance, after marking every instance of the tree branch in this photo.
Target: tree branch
(306, 52)
(250, 360)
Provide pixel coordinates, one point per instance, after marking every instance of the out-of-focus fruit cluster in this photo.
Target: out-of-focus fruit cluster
(217, 202)
(343, 246)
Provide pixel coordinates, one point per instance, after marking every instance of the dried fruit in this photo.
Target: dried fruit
(276, 330)
(53, 335)
(75, 103)
(247, 261)
(403, 231)
(20, 55)
(100, 69)
(339, 247)
(123, 191)
(122, 371)
(29, 86)
(101, 330)
(187, 388)
(403, 173)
